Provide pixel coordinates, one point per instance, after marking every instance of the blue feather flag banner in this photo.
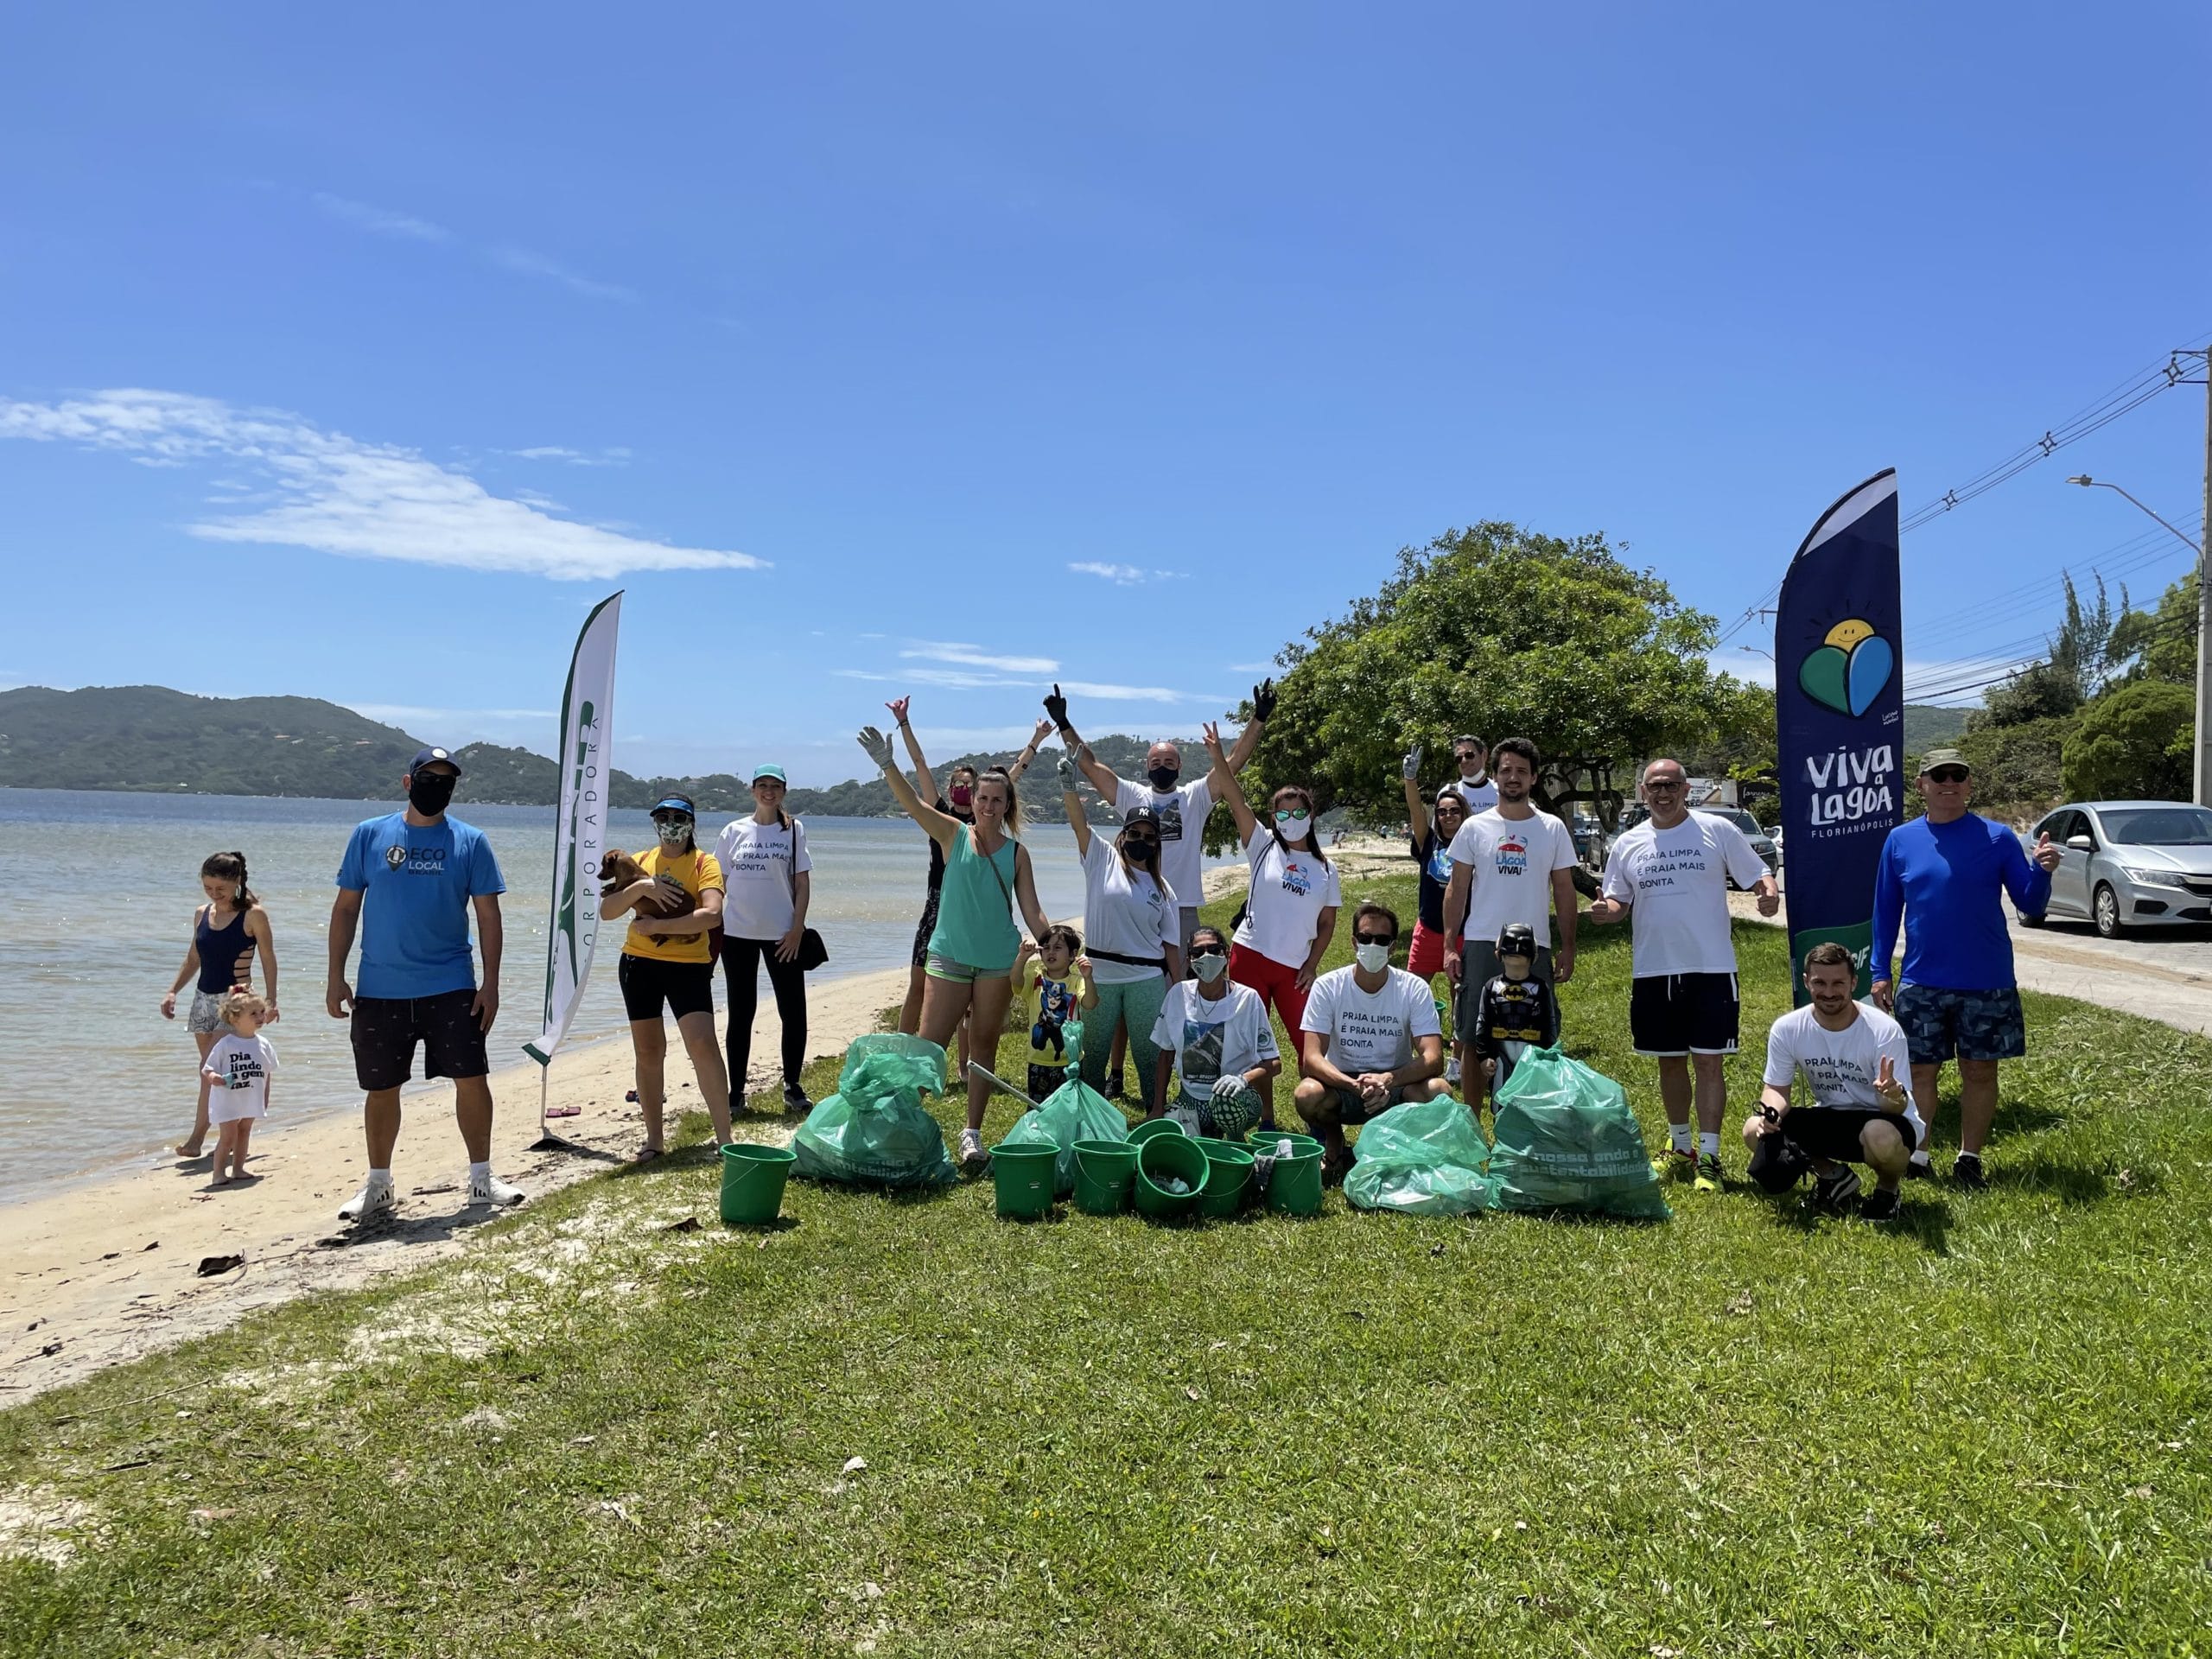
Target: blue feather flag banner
(1839, 701)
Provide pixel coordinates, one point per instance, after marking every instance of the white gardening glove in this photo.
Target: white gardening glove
(1226, 1085)
(877, 745)
(1411, 771)
(1068, 774)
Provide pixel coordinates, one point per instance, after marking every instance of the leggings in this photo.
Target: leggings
(1136, 1003)
(741, 960)
(1275, 983)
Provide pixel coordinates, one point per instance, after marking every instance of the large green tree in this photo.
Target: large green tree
(1499, 631)
(2160, 644)
(2134, 742)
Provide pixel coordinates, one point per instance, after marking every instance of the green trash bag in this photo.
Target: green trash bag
(1072, 1112)
(1566, 1139)
(875, 1131)
(1425, 1157)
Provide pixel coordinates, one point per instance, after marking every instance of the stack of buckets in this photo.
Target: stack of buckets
(1111, 1176)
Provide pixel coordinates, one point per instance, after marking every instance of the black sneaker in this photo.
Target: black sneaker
(1920, 1169)
(795, 1099)
(1966, 1171)
(1114, 1081)
(1878, 1206)
(1835, 1189)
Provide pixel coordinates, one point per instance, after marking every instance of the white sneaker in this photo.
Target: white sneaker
(973, 1158)
(375, 1198)
(493, 1190)
(1451, 1072)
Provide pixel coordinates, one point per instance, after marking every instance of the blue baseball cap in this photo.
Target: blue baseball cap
(429, 755)
(673, 804)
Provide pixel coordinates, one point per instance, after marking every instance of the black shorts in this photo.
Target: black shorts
(1808, 1133)
(686, 987)
(1672, 1014)
(386, 1028)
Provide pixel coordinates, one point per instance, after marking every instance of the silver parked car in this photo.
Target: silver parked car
(1762, 843)
(2130, 864)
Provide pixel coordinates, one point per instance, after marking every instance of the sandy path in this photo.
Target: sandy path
(105, 1272)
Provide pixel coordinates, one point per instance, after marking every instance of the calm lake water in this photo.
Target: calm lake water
(97, 892)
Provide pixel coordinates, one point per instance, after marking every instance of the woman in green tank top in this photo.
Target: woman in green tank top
(968, 974)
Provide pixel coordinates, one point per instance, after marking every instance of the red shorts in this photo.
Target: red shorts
(1276, 984)
(1425, 956)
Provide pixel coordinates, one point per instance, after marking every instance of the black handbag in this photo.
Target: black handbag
(812, 953)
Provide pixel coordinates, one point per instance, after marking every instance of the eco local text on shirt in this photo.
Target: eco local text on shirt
(1849, 785)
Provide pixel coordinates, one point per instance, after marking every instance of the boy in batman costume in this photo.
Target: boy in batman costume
(1516, 1011)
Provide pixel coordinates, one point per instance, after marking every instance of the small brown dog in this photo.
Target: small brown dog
(617, 870)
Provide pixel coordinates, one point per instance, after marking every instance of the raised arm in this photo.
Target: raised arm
(1028, 755)
(1263, 708)
(1071, 803)
(923, 782)
(1416, 808)
(1224, 780)
(942, 827)
(1102, 776)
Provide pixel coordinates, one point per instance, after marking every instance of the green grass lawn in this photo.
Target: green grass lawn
(1981, 1430)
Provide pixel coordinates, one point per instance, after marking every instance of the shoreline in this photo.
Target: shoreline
(103, 1269)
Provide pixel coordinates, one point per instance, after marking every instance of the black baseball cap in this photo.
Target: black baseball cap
(429, 754)
(1141, 813)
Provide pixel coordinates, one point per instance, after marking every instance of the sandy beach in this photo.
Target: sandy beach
(105, 1272)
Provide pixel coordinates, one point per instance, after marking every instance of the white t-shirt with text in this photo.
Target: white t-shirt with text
(1289, 891)
(1129, 916)
(1676, 884)
(759, 860)
(1370, 1030)
(1479, 797)
(1214, 1037)
(1509, 864)
(1182, 831)
(1840, 1066)
(245, 1063)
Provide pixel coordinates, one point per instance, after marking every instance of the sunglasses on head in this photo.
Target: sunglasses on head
(1948, 775)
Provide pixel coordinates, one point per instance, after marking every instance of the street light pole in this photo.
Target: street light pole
(2203, 769)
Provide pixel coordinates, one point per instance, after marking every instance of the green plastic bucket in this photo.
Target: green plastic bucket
(1022, 1176)
(1295, 1185)
(1229, 1177)
(1153, 1126)
(1160, 1158)
(1263, 1143)
(1105, 1171)
(753, 1183)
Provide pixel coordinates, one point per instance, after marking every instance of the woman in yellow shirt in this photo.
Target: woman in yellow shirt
(667, 961)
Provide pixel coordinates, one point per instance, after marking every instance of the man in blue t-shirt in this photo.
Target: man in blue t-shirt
(1944, 876)
(408, 884)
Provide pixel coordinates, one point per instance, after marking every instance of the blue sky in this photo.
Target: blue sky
(888, 347)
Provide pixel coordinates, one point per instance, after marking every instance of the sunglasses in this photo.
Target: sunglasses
(1141, 838)
(1468, 754)
(1385, 940)
(1209, 949)
(1665, 783)
(1948, 775)
(1289, 814)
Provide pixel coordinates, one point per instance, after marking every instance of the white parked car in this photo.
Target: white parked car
(2131, 864)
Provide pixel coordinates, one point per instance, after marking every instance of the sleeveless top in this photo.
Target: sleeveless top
(219, 950)
(975, 915)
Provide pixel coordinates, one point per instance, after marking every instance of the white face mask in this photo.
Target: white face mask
(1373, 957)
(1210, 968)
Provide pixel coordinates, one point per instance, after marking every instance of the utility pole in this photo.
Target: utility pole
(2204, 608)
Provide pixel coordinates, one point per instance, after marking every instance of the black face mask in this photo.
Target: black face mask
(1164, 777)
(1140, 850)
(429, 792)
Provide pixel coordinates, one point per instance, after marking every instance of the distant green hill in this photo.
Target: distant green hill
(1926, 726)
(149, 738)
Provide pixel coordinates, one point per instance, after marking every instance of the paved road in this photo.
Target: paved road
(2165, 975)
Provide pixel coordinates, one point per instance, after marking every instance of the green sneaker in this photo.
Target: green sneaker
(1671, 1165)
(1708, 1173)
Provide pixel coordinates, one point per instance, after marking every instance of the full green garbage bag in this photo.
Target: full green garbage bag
(1071, 1113)
(1426, 1158)
(875, 1131)
(1566, 1139)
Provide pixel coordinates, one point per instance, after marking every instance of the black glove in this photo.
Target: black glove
(1056, 708)
(1263, 701)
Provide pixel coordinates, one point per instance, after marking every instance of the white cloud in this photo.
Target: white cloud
(950, 678)
(1126, 576)
(977, 657)
(568, 457)
(525, 263)
(336, 494)
(1252, 668)
(377, 220)
(398, 713)
(1136, 693)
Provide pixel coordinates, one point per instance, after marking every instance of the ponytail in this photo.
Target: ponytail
(230, 867)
